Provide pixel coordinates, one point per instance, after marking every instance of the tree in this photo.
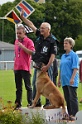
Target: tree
(78, 43)
(65, 19)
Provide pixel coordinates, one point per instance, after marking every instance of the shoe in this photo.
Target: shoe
(69, 118)
(29, 105)
(17, 106)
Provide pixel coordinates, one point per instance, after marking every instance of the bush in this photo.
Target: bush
(15, 117)
(10, 116)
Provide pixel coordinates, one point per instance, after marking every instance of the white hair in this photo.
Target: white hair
(70, 40)
(47, 25)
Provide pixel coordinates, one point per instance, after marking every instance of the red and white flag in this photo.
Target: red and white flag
(28, 9)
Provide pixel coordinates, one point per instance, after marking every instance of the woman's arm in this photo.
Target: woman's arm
(73, 75)
(59, 83)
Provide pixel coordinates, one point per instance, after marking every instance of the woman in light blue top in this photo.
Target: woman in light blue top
(69, 77)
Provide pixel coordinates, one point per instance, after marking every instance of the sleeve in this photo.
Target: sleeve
(75, 61)
(29, 44)
(37, 32)
(53, 47)
(80, 71)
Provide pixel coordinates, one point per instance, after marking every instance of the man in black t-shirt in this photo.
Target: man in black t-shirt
(46, 47)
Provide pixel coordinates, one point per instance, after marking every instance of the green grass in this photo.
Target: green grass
(7, 89)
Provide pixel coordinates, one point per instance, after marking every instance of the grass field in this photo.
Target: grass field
(7, 89)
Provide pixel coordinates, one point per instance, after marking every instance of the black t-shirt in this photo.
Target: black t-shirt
(44, 48)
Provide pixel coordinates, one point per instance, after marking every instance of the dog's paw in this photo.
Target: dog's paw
(41, 108)
(31, 107)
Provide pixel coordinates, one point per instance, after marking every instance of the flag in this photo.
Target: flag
(12, 17)
(28, 29)
(28, 9)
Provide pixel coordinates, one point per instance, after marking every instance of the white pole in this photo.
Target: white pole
(3, 30)
(16, 30)
(2, 18)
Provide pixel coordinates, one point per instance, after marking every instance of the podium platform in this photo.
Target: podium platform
(49, 115)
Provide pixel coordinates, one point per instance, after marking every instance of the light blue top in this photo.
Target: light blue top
(69, 62)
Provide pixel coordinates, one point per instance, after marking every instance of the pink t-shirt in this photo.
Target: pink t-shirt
(22, 60)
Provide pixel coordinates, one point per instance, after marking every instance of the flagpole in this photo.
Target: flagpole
(16, 30)
(2, 18)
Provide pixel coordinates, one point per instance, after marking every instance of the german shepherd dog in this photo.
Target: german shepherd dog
(45, 87)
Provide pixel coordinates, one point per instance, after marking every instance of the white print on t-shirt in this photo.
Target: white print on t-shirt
(44, 49)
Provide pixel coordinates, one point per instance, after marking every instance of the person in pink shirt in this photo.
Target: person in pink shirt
(80, 75)
(22, 62)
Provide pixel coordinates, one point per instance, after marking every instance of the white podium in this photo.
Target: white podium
(51, 116)
(47, 114)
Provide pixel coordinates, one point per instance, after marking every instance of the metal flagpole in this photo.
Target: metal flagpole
(2, 18)
(16, 30)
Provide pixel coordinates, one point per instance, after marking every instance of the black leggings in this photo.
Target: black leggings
(70, 94)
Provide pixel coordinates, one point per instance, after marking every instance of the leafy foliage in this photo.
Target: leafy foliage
(78, 43)
(8, 115)
(66, 19)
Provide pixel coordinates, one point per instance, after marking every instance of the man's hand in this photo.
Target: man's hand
(30, 52)
(22, 13)
(27, 21)
(44, 68)
(20, 45)
(59, 84)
